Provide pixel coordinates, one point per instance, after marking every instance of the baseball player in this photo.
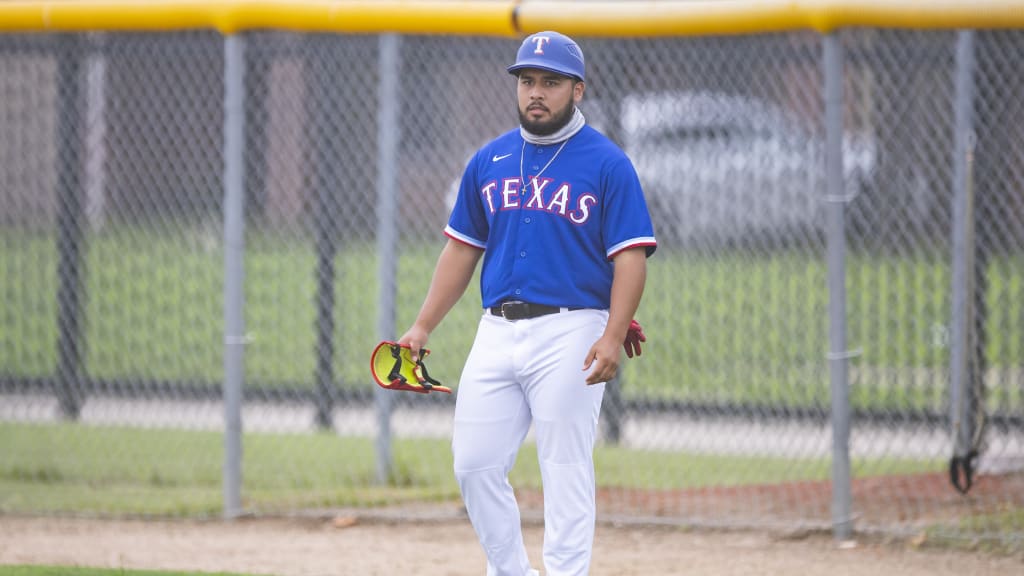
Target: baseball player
(557, 213)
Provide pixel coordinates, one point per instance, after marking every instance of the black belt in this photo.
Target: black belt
(526, 310)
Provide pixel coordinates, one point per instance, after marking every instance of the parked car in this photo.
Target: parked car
(725, 168)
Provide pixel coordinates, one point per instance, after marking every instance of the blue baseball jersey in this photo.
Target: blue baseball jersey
(551, 242)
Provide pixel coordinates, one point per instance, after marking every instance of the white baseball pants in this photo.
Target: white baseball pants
(520, 372)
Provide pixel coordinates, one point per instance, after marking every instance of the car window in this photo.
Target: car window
(722, 133)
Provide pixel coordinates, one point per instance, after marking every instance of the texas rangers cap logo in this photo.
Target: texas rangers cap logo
(540, 41)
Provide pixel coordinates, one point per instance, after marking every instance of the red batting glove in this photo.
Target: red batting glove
(634, 336)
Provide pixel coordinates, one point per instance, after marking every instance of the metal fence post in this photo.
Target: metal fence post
(328, 174)
(961, 323)
(387, 232)
(70, 232)
(842, 523)
(234, 269)
(613, 408)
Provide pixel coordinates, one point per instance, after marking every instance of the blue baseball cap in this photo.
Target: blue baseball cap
(550, 51)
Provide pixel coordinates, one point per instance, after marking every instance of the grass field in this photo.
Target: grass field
(135, 471)
(729, 328)
(734, 327)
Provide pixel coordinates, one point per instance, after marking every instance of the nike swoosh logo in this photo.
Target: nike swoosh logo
(496, 157)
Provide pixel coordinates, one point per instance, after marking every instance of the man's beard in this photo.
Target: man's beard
(546, 128)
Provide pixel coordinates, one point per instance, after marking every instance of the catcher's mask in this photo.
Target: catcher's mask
(393, 368)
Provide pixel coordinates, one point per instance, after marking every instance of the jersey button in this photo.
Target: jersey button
(522, 254)
(518, 291)
(527, 220)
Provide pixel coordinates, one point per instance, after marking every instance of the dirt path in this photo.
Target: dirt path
(351, 546)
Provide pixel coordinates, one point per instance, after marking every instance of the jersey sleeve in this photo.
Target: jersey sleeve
(467, 222)
(626, 220)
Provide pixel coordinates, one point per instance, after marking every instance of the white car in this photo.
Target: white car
(721, 168)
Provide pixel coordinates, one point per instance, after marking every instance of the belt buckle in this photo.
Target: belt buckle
(514, 310)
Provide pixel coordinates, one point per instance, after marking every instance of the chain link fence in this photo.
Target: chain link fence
(112, 274)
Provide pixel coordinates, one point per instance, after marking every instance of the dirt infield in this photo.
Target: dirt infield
(889, 501)
(349, 545)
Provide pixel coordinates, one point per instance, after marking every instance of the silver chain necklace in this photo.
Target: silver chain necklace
(536, 177)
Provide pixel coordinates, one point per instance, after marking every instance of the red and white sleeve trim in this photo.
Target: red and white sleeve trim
(459, 237)
(647, 241)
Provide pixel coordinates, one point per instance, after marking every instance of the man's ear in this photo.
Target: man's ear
(577, 91)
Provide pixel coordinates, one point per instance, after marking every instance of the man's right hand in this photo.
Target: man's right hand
(416, 339)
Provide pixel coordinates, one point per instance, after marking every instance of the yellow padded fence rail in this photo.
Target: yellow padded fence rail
(508, 17)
